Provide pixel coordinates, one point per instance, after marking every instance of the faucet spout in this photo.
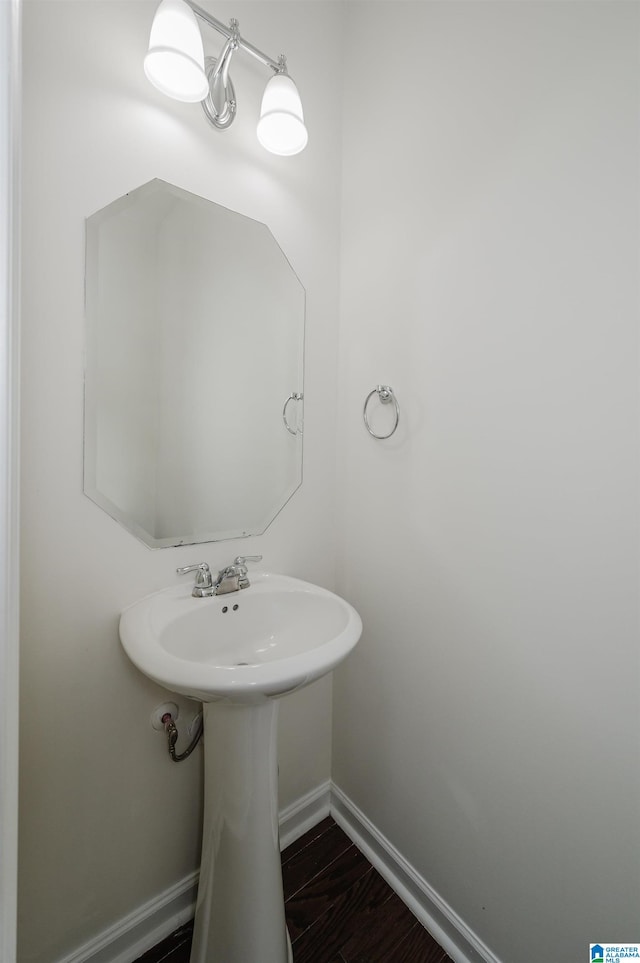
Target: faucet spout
(235, 576)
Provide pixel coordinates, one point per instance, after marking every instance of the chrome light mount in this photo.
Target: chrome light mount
(220, 103)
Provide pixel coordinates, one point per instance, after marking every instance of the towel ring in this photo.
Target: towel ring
(294, 396)
(385, 397)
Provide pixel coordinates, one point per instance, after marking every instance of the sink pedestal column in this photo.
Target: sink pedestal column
(240, 906)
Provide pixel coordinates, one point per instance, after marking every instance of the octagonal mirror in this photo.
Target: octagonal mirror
(194, 368)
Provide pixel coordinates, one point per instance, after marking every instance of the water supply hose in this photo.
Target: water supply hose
(172, 737)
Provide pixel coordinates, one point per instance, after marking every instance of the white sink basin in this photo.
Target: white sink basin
(244, 647)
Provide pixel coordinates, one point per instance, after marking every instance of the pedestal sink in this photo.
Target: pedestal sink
(239, 653)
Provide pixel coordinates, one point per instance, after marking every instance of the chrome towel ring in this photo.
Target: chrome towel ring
(385, 397)
(294, 396)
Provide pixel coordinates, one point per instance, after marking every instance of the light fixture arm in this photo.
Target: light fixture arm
(282, 65)
(220, 103)
(229, 33)
(219, 79)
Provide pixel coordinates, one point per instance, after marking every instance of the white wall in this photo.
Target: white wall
(9, 397)
(488, 721)
(107, 821)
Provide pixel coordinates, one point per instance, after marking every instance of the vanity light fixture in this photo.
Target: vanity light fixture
(176, 65)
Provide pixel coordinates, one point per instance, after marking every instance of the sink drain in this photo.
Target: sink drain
(242, 663)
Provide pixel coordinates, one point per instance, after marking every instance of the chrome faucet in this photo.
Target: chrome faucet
(232, 578)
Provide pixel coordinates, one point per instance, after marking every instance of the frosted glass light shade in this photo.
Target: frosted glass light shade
(175, 60)
(281, 127)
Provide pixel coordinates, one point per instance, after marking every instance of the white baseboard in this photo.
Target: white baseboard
(444, 924)
(304, 814)
(155, 920)
(145, 927)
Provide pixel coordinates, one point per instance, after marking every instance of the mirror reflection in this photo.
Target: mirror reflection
(194, 368)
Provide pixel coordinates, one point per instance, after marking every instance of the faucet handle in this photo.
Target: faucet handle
(203, 574)
(243, 559)
(240, 565)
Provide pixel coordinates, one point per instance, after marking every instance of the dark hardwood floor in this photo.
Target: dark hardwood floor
(338, 907)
